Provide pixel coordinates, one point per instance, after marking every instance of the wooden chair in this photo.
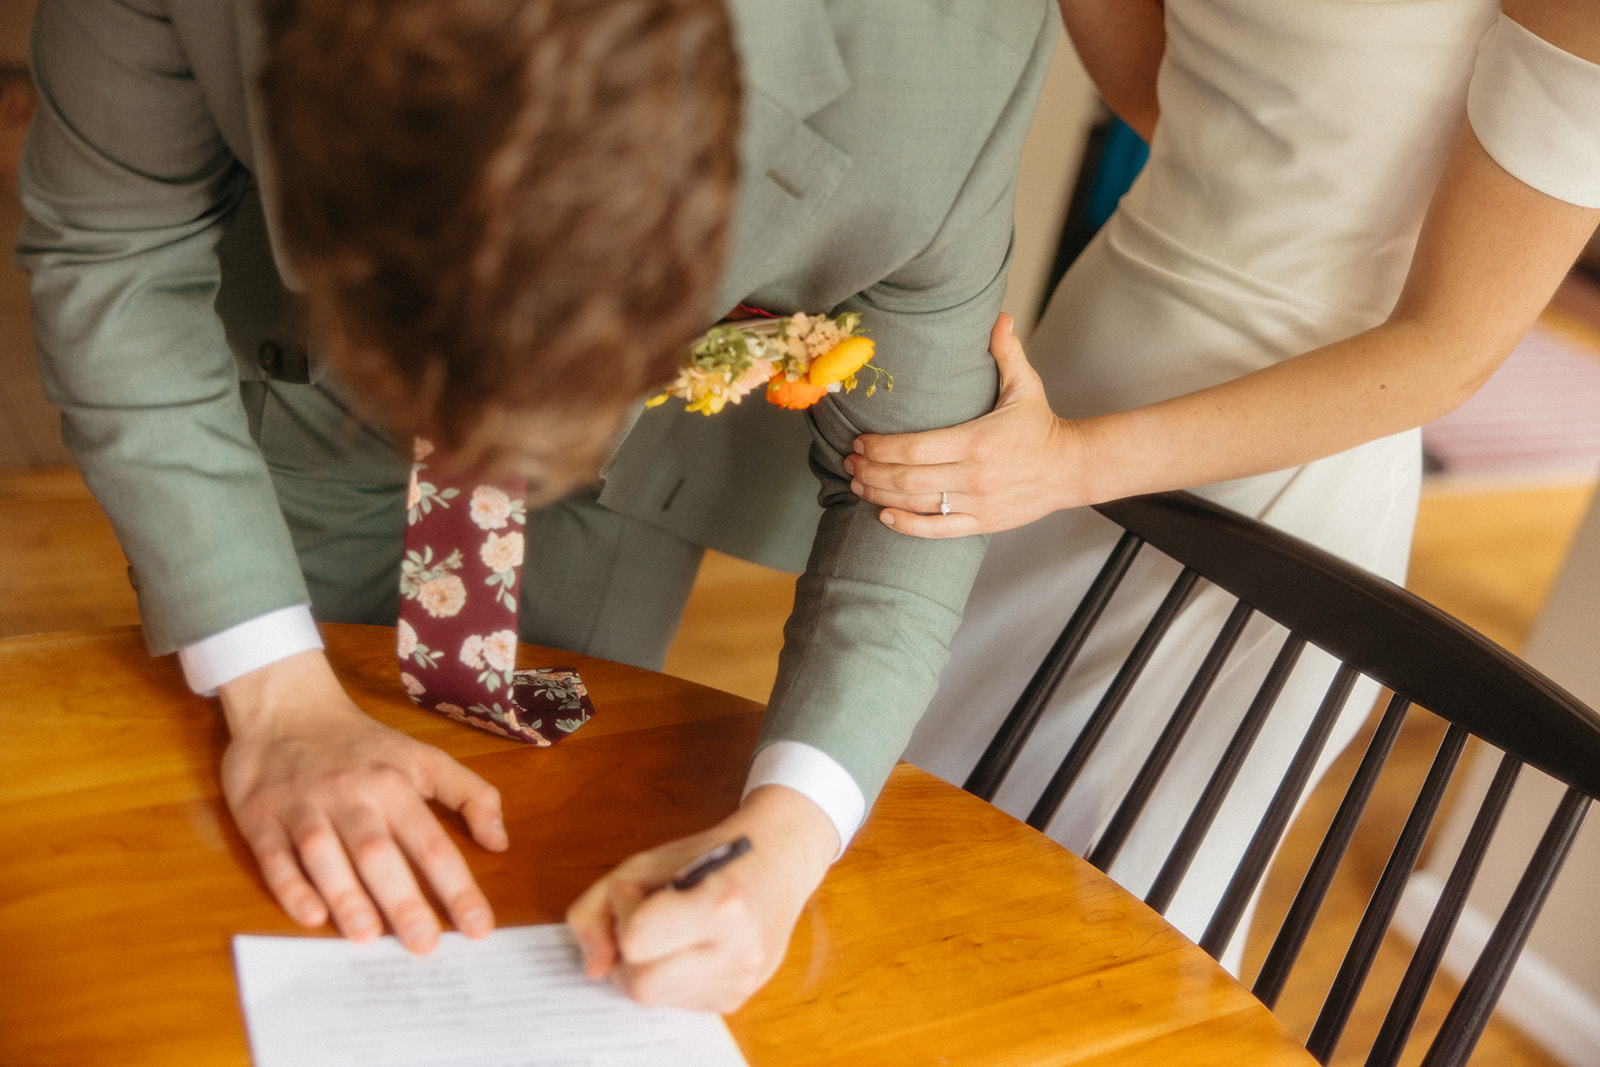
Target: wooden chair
(1374, 628)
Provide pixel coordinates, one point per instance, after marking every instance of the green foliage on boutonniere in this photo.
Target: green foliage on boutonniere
(799, 359)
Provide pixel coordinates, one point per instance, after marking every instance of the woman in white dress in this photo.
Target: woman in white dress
(1299, 148)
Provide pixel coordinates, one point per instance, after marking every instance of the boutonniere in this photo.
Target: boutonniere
(798, 358)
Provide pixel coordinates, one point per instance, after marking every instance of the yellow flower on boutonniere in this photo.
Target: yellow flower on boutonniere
(799, 358)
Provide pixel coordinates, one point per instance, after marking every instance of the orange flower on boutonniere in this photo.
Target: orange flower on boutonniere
(799, 358)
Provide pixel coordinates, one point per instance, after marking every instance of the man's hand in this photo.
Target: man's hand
(334, 806)
(1014, 465)
(707, 948)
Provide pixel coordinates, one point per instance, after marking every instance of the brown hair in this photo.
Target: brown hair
(510, 215)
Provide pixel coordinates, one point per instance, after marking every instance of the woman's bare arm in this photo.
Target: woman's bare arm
(1491, 252)
(1120, 43)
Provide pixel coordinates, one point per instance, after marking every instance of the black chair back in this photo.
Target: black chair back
(1423, 656)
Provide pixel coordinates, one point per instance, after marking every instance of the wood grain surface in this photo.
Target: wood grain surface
(950, 933)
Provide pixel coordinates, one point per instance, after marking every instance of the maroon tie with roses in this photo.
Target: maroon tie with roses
(459, 582)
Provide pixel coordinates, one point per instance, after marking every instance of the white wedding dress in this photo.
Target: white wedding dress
(1296, 152)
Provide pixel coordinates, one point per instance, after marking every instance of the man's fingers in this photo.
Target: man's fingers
(323, 856)
(461, 790)
(704, 978)
(668, 922)
(442, 865)
(705, 940)
(594, 927)
(625, 898)
(382, 868)
(284, 878)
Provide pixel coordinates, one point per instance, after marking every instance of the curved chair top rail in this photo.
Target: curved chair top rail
(1379, 628)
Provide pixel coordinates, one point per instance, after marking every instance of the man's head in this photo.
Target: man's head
(510, 215)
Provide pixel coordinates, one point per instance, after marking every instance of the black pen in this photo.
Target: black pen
(693, 873)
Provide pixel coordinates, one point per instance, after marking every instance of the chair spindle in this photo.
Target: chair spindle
(1007, 743)
(1470, 1013)
(1413, 989)
(1242, 887)
(1185, 848)
(1330, 1024)
(1319, 876)
(1044, 809)
(1105, 851)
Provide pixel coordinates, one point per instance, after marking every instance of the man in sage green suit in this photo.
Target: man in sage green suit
(877, 166)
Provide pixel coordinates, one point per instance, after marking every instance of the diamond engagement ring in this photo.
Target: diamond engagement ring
(944, 503)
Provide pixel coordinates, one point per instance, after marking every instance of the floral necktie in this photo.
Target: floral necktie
(459, 583)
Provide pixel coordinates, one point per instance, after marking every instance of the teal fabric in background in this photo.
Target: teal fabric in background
(1113, 155)
(1124, 156)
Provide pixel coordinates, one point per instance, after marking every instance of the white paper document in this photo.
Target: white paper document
(517, 998)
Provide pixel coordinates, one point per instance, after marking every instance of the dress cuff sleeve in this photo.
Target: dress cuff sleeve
(816, 776)
(213, 661)
(1533, 106)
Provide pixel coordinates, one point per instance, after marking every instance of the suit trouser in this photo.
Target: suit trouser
(593, 581)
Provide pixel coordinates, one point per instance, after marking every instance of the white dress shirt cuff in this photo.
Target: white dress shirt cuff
(816, 776)
(213, 661)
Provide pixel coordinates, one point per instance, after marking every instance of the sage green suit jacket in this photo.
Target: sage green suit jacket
(878, 164)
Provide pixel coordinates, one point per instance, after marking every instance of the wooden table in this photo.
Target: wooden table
(950, 933)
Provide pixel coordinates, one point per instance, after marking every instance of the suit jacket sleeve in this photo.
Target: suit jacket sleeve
(875, 610)
(128, 184)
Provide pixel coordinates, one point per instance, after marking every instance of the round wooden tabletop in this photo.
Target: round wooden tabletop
(950, 933)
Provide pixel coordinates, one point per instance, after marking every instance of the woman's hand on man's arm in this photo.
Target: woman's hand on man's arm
(1014, 465)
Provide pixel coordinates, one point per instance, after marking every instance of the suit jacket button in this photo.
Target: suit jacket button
(270, 356)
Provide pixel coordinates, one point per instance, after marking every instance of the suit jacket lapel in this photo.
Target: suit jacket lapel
(791, 69)
(739, 482)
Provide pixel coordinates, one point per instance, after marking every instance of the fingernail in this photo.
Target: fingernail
(849, 465)
(888, 519)
(477, 922)
(858, 447)
(855, 487)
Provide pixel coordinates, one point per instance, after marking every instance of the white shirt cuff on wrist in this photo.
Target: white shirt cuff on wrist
(213, 661)
(816, 776)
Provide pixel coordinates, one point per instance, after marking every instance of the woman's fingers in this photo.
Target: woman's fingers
(997, 472)
(1016, 373)
(932, 527)
(913, 488)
